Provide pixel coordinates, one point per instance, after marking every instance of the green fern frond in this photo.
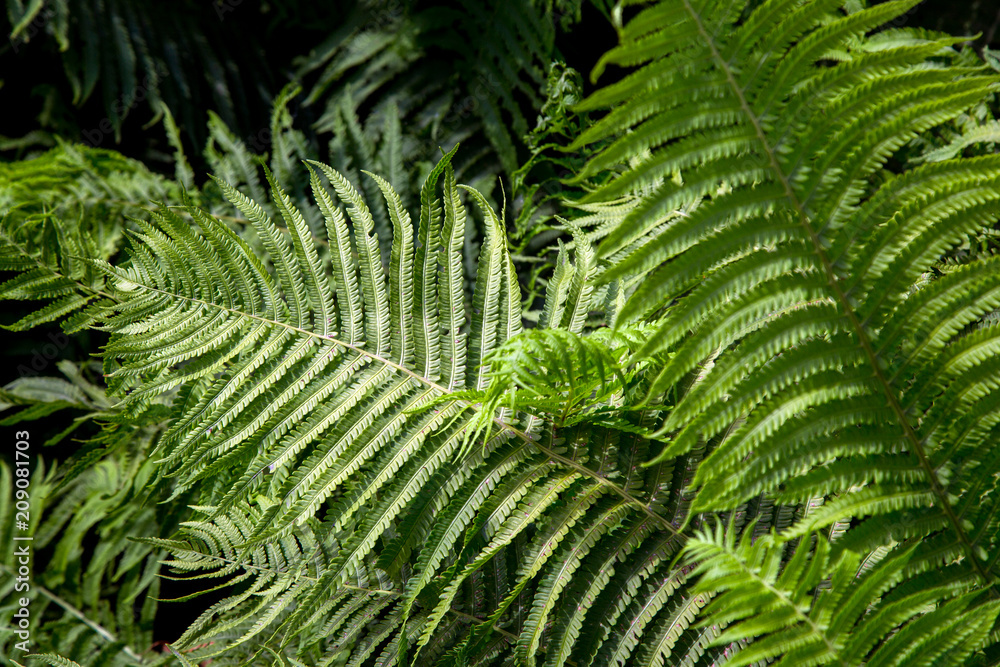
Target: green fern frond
(81, 518)
(53, 660)
(386, 468)
(792, 619)
(459, 72)
(801, 269)
(314, 413)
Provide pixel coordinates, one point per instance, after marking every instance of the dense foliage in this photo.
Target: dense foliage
(462, 359)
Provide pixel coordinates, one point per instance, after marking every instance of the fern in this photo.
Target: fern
(839, 368)
(300, 362)
(777, 450)
(304, 404)
(453, 72)
(94, 587)
(792, 616)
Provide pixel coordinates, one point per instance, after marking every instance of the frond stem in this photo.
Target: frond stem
(632, 500)
(788, 603)
(57, 273)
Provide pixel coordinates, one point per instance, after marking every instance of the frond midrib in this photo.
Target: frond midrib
(782, 597)
(568, 462)
(916, 444)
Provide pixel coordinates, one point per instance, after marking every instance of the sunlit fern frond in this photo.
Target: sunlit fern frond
(840, 367)
(297, 415)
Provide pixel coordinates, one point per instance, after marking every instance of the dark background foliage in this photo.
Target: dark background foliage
(78, 83)
(98, 75)
(228, 56)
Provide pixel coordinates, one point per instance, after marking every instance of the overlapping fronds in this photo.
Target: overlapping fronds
(553, 374)
(215, 551)
(819, 609)
(94, 588)
(299, 354)
(69, 179)
(308, 419)
(61, 209)
(461, 71)
(39, 397)
(50, 256)
(840, 364)
(778, 449)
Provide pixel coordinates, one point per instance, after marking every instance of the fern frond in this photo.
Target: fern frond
(84, 570)
(802, 270)
(315, 418)
(789, 615)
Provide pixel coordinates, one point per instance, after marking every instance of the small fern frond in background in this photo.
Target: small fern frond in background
(453, 72)
(84, 516)
(297, 403)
